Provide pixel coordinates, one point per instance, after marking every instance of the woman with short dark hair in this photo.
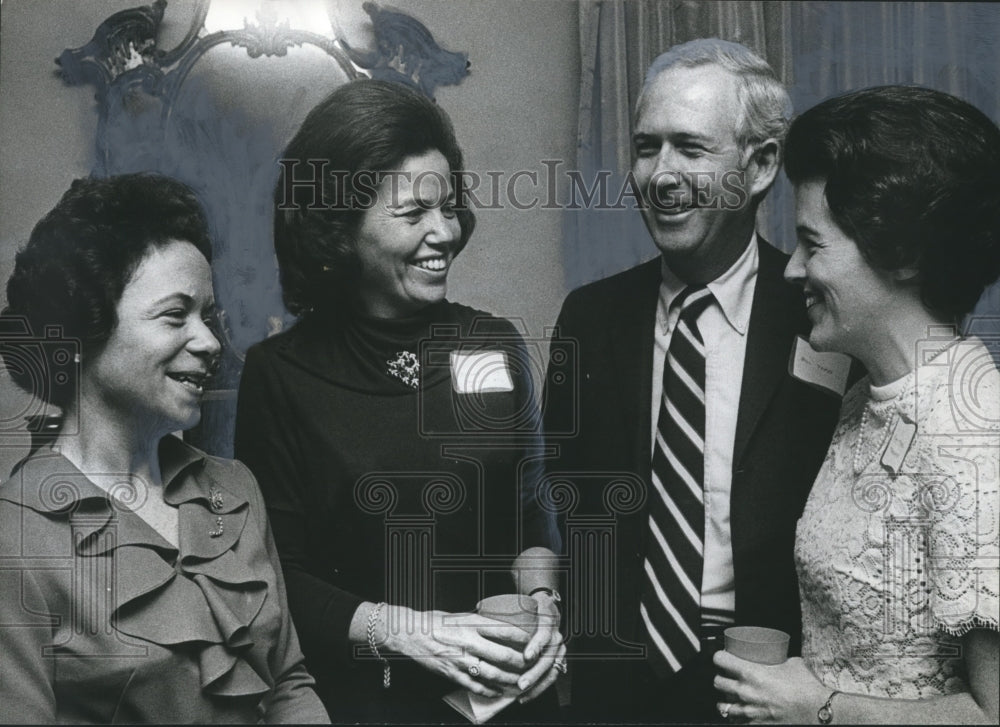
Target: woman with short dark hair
(911, 175)
(350, 142)
(139, 581)
(81, 255)
(898, 220)
(386, 408)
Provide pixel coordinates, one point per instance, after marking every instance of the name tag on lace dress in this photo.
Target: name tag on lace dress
(900, 441)
(482, 372)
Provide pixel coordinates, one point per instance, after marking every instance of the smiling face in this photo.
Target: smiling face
(697, 181)
(151, 372)
(409, 238)
(849, 302)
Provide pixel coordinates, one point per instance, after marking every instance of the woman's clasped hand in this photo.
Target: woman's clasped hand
(488, 657)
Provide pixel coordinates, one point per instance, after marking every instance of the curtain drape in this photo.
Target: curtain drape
(818, 49)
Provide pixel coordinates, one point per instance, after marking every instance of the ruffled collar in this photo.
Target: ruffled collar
(200, 593)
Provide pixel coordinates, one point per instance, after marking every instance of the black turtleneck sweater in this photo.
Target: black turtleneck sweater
(378, 490)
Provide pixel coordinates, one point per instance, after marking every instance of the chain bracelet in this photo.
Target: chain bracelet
(372, 620)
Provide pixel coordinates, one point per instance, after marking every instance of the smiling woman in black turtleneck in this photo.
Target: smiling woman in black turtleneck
(392, 430)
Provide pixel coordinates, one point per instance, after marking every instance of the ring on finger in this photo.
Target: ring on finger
(724, 711)
(560, 666)
(474, 670)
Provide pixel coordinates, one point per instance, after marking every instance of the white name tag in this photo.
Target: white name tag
(827, 370)
(483, 372)
(900, 442)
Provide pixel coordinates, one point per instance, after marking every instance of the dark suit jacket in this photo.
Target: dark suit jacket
(597, 413)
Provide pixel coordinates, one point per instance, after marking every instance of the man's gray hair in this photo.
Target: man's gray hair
(765, 108)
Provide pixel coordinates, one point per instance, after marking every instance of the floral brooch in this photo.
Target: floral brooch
(405, 367)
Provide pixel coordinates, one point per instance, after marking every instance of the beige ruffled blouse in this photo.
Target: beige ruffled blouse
(102, 620)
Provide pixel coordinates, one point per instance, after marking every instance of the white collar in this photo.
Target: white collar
(733, 290)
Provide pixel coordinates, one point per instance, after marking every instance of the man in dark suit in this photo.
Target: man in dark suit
(685, 499)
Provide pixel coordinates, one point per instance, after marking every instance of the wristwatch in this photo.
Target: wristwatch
(825, 713)
(551, 592)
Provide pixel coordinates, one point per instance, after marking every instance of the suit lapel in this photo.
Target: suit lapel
(632, 358)
(632, 344)
(773, 324)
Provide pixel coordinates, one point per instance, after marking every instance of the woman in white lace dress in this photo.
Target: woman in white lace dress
(898, 220)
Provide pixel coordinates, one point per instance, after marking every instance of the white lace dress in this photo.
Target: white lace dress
(897, 550)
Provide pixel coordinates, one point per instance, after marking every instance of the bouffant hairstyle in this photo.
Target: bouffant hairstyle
(360, 131)
(913, 178)
(80, 257)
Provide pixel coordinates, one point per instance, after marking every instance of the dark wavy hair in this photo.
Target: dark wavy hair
(81, 255)
(913, 177)
(362, 129)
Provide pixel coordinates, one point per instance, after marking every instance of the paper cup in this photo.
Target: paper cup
(757, 644)
(511, 608)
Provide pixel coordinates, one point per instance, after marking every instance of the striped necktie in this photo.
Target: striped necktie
(670, 603)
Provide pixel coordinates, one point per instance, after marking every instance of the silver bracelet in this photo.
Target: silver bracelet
(372, 619)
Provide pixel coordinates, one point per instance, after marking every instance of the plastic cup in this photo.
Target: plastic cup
(757, 644)
(511, 608)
